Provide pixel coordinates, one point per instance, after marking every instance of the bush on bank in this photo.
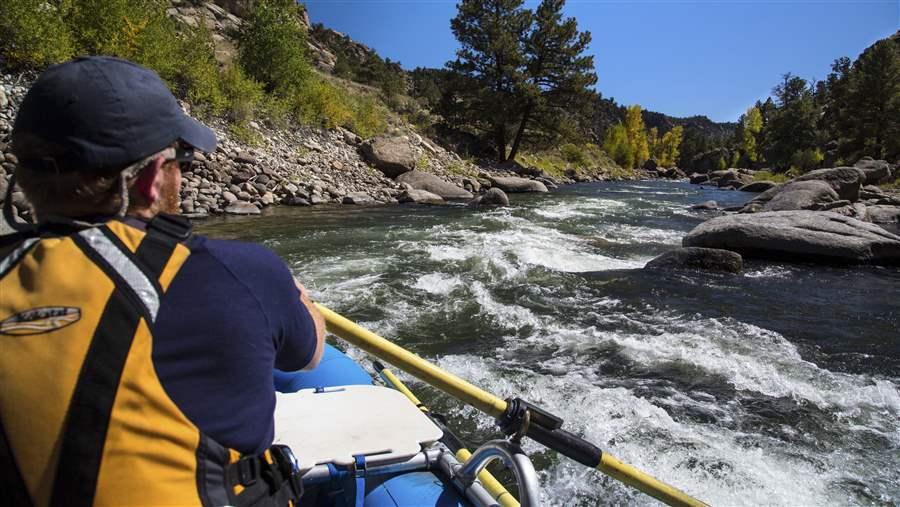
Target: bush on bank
(271, 79)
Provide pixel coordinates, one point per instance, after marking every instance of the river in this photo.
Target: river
(777, 386)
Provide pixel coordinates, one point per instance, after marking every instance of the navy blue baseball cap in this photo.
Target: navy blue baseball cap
(99, 114)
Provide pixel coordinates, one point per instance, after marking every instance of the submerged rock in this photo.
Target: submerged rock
(711, 259)
(708, 206)
(798, 235)
(493, 197)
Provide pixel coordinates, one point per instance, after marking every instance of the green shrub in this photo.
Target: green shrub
(369, 118)
(198, 78)
(244, 95)
(272, 46)
(244, 133)
(573, 154)
(34, 33)
(770, 176)
(807, 160)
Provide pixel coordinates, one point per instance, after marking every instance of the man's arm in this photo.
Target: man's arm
(319, 324)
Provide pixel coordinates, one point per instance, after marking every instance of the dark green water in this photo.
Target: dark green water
(778, 386)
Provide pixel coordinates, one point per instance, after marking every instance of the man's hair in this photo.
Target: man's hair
(53, 188)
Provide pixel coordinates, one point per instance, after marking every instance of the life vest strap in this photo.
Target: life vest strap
(92, 402)
(14, 490)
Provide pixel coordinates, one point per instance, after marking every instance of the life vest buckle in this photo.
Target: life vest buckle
(248, 470)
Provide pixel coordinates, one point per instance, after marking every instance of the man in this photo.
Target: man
(136, 359)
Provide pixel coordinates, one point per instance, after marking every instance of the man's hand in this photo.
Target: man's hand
(320, 326)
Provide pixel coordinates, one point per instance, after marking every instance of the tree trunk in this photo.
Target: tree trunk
(500, 139)
(519, 134)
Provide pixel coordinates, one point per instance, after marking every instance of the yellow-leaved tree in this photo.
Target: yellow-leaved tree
(637, 138)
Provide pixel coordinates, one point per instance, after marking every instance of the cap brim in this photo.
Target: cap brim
(197, 134)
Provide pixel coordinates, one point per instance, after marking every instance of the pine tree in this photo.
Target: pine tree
(491, 60)
(875, 99)
(792, 126)
(519, 73)
(557, 72)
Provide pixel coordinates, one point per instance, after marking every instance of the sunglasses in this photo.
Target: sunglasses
(184, 155)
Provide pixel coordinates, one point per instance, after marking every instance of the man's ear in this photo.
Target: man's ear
(149, 181)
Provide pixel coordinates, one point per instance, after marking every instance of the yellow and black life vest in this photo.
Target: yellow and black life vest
(84, 419)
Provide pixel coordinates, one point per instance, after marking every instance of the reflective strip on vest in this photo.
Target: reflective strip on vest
(133, 276)
(7, 263)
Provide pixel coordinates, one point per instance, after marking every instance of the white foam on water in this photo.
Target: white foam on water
(707, 461)
(437, 283)
(768, 272)
(586, 207)
(625, 233)
(514, 252)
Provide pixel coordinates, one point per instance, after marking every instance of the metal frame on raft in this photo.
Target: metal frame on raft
(515, 417)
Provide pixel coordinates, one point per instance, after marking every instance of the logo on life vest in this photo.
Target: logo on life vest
(40, 320)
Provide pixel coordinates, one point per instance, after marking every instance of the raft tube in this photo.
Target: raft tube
(423, 489)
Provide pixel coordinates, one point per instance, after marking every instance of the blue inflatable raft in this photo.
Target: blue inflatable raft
(358, 443)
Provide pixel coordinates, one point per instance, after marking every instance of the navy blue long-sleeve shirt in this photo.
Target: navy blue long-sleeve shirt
(230, 316)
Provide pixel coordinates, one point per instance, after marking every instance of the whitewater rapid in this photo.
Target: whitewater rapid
(732, 388)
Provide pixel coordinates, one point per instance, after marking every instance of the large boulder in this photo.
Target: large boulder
(493, 197)
(392, 156)
(732, 178)
(758, 186)
(419, 196)
(875, 170)
(360, 198)
(512, 184)
(882, 214)
(698, 178)
(798, 235)
(426, 181)
(241, 208)
(846, 181)
(711, 259)
(802, 195)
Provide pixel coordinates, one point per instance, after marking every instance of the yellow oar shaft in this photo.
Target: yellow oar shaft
(496, 407)
(639, 480)
(490, 483)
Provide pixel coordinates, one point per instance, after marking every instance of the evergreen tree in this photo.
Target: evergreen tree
(492, 61)
(557, 73)
(522, 73)
(875, 99)
(271, 46)
(792, 126)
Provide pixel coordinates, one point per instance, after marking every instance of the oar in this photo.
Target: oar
(490, 483)
(513, 414)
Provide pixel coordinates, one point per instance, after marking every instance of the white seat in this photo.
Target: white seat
(339, 423)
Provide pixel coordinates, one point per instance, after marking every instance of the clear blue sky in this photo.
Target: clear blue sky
(677, 57)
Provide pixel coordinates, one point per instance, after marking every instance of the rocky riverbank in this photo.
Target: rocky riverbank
(307, 167)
